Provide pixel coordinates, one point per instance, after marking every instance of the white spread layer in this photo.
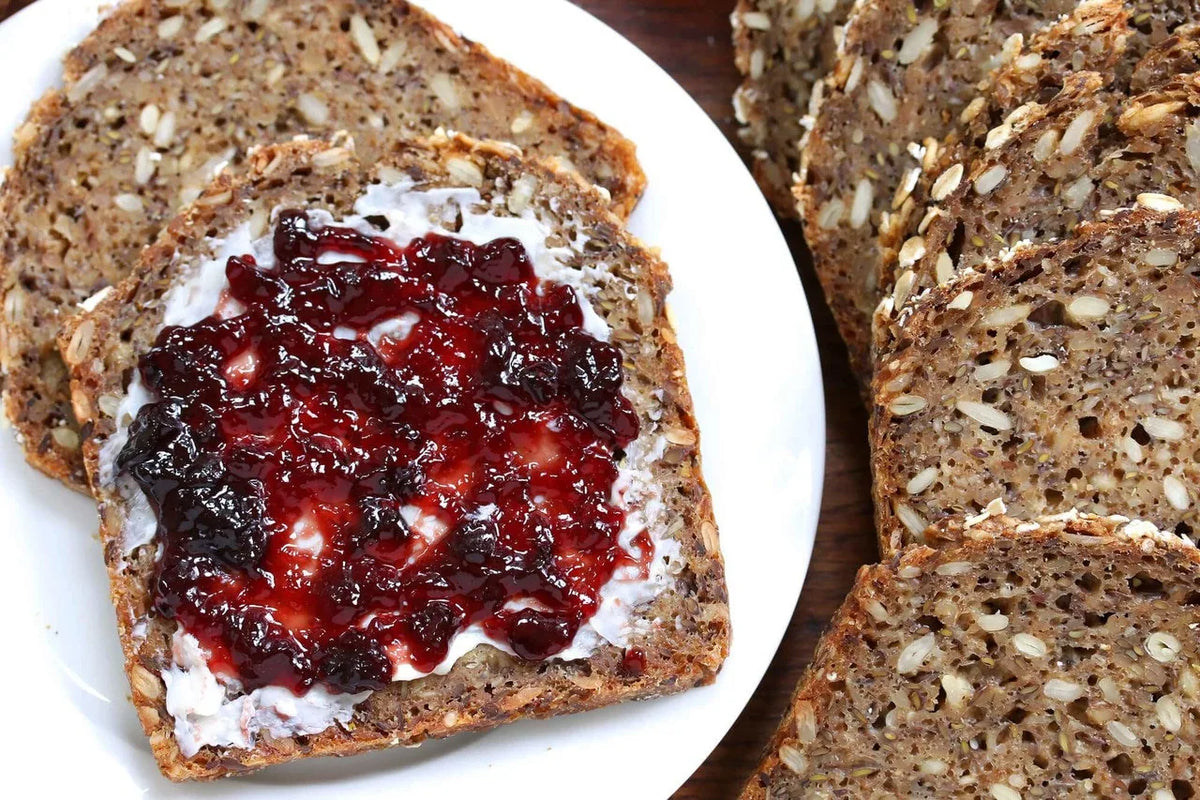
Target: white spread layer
(205, 714)
(209, 709)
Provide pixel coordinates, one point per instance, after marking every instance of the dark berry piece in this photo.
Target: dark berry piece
(431, 627)
(266, 653)
(502, 261)
(380, 523)
(294, 238)
(354, 662)
(536, 635)
(224, 521)
(475, 541)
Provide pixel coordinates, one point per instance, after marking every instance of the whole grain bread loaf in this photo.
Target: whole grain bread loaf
(164, 94)
(782, 49)
(1047, 165)
(1021, 660)
(1059, 376)
(903, 78)
(682, 633)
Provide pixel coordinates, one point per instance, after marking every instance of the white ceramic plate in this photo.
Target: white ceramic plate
(753, 369)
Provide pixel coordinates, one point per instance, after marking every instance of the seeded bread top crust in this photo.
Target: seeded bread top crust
(1059, 377)
(1020, 660)
(1049, 163)
(686, 629)
(165, 94)
(782, 49)
(902, 79)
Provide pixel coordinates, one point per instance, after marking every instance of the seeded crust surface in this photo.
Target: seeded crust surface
(782, 48)
(1017, 661)
(1061, 376)
(903, 77)
(686, 639)
(164, 93)
(1034, 173)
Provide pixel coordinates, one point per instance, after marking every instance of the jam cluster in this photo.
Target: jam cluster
(369, 448)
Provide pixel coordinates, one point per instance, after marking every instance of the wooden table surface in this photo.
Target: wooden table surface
(691, 40)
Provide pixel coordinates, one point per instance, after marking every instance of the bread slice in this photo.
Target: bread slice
(1060, 376)
(1047, 165)
(1095, 37)
(677, 635)
(164, 94)
(1021, 660)
(904, 76)
(782, 49)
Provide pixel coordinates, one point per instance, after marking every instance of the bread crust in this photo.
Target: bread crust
(96, 174)
(839, 676)
(485, 688)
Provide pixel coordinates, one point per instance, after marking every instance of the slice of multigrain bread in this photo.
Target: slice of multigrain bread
(166, 93)
(903, 77)
(1060, 376)
(782, 49)
(682, 633)
(1021, 660)
(1046, 165)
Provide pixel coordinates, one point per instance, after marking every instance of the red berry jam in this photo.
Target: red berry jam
(368, 448)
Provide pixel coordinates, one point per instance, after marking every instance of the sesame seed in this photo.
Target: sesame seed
(210, 29)
(364, 39)
(1159, 202)
(915, 654)
(922, 480)
(170, 26)
(1162, 428)
(986, 415)
(1176, 493)
(312, 108)
(860, 207)
(990, 178)
(882, 101)
(917, 41)
(1039, 365)
(1066, 691)
(756, 20)
(1087, 308)
(992, 623)
(1073, 135)
(1029, 645)
(1163, 647)
(148, 119)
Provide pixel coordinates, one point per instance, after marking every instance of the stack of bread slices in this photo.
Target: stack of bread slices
(186, 131)
(1002, 201)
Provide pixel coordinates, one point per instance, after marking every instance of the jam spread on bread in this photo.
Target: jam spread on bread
(368, 448)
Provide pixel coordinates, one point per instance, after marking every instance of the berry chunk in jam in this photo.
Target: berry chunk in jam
(371, 447)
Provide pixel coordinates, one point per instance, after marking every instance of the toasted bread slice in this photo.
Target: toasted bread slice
(674, 638)
(1058, 377)
(165, 94)
(1019, 660)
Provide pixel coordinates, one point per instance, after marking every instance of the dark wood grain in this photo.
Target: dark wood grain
(691, 40)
